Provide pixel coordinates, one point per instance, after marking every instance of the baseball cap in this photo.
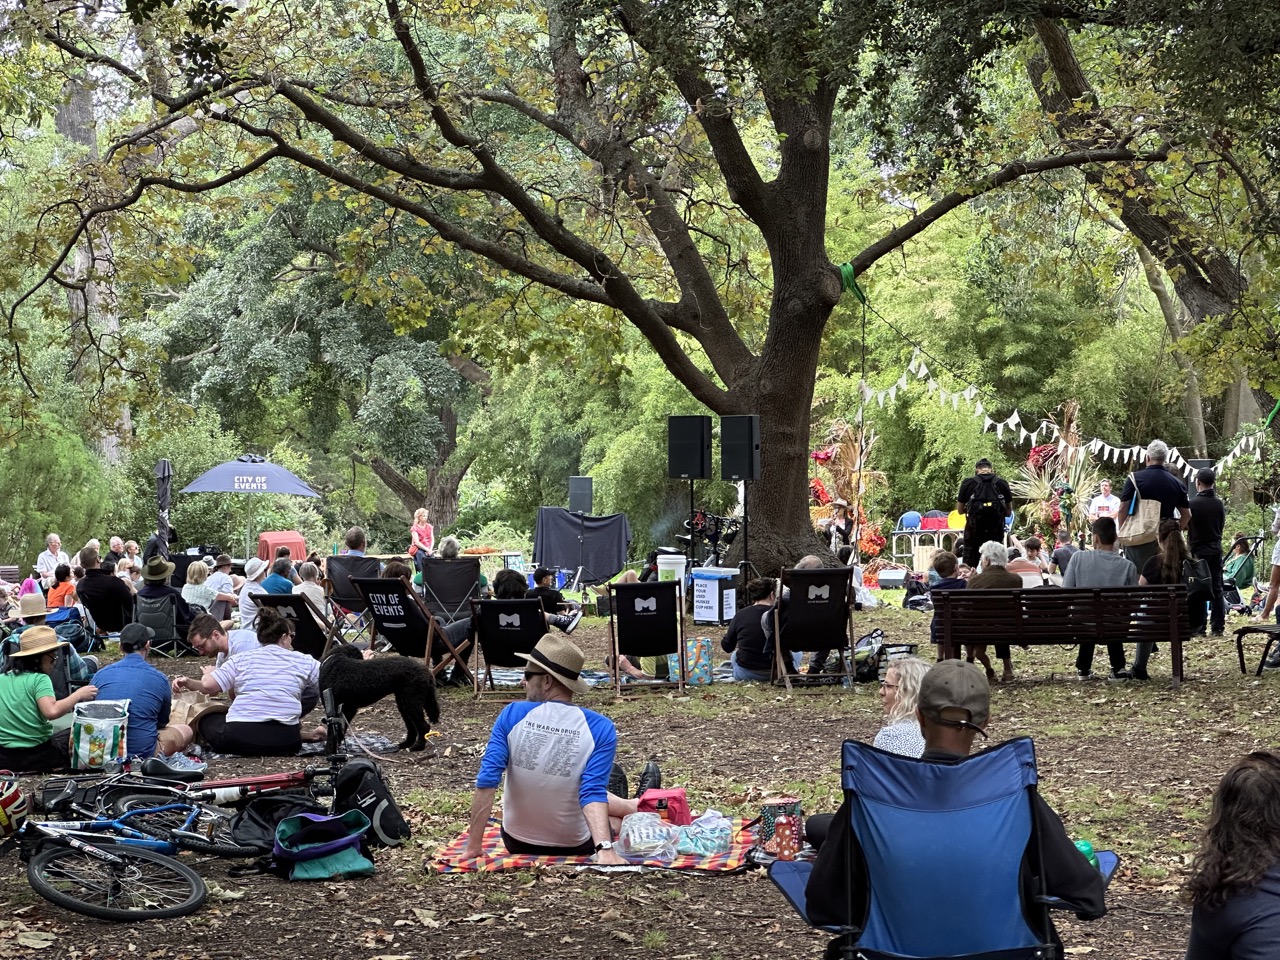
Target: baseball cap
(134, 636)
(956, 685)
(984, 462)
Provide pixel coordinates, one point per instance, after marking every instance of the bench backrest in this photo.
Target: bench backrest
(1053, 615)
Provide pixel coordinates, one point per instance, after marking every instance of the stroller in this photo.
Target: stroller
(1235, 601)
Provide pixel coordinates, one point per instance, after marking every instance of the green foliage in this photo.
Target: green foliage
(193, 444)
(50, 482)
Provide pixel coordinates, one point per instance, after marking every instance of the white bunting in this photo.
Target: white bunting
(912, 365)
(955, 401)
(1062, 445)
(1015, 419)
(932, 385)
(1000, 430)
(987, 424)
(893, 393)
(970, 392)
(902, 382)
(979, 410)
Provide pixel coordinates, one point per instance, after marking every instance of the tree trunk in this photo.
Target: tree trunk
(1174, 316)
(92, 301)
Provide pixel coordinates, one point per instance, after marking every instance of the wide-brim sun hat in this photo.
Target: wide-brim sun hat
(157, 569)
(32, 605)
(254, 567)
(37, 640)
(561, 659)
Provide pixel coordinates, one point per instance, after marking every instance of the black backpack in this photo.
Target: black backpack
(359, 786)
(255, 825)
(986, 503)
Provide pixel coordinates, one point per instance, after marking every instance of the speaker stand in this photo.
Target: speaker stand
(577, 583)
(746, 567)
(693, 539)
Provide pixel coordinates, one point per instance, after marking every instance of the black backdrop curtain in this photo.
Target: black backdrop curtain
(603, 551)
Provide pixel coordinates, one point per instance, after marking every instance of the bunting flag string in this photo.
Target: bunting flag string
(1027, 433)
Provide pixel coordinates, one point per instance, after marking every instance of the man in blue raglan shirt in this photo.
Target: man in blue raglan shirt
(557, 758)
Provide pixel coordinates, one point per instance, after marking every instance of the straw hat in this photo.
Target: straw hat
(32, 605)
(254, 567)
(36, 640)
(157, 569)
(561, 659)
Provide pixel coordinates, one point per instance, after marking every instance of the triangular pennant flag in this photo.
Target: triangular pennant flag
(1095, 445)
(1000, 430)
(893, 393)
(902, 382)
(979, 409)
(1022, 436)
(1015, 419)
(912, 365)
(1062, 445)
(880, 398)
(955, 401)
(932, 385)
(922, 371)
(970, 392)
(987, 424)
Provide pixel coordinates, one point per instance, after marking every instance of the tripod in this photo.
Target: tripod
(578, 583)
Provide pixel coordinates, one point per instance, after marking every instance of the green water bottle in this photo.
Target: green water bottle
(1086, 848)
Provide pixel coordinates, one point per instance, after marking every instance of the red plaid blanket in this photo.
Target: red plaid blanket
(495, 856)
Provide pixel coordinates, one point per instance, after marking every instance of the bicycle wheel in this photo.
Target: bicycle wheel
(211, 824)
(143, 886)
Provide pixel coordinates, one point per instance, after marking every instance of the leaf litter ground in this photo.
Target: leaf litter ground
(1130, 767)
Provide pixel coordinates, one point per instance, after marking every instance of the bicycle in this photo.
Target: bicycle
(132, 880)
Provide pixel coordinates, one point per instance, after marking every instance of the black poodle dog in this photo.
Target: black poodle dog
(358, 683)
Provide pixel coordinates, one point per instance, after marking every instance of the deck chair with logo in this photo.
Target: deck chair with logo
(398, 614)
(449, 586)
(347, 607)
(934, 858)
(645, 621)
(504, 628)
(313, 632)
(161, 615)
(819, 617)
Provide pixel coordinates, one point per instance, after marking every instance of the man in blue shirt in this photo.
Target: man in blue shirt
(147, 690)
(278, 581)
(557, 758)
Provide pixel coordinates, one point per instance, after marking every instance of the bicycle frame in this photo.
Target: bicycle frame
(73, 833)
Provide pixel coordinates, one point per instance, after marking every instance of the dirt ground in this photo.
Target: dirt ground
(1130, 767)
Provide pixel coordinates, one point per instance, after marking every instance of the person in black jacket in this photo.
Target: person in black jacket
(985, 500)
(107, 598)
(553, 600)
(953, 708)
(1204, 537)
(745, 639)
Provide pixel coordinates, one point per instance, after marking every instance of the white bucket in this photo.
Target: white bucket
(671, 567)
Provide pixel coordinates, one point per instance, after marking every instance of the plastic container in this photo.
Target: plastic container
(671, 568)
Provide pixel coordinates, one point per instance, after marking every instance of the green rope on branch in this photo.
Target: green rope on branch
(1272, 415)
(849, 281)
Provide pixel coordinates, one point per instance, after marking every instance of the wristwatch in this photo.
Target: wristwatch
(604, 845)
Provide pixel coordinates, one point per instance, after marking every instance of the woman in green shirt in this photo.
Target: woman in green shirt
(28, 706)
(1239, 566)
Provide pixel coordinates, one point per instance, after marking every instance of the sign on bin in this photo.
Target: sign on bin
(715, 597)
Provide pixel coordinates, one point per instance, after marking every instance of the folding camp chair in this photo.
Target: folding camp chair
(645, 621)
(346, 604)
(949, 836)
(819, 617)
(449, 586)
(161, 615)
(398, 614)
(504, 628)
(313, 632)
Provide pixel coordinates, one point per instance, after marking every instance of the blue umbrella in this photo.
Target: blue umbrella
(248, 474)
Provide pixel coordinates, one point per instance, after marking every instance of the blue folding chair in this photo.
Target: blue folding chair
(941, 847)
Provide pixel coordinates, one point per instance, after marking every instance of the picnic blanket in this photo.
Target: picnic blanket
(512, 676)
(495, 856)
(373, 742)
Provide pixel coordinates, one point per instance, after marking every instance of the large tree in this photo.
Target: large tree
(634, 157)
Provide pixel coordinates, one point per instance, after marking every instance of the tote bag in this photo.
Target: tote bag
(1142, 523)
(98, 734)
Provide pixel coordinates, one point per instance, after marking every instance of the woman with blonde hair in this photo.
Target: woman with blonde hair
(196, 590)
(421, 537)
(899, 693)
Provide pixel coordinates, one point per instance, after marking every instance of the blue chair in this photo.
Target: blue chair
(942, 847)
(910, 520)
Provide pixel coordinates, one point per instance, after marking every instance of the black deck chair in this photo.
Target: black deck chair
(313, 632)
(819, 617)
(449, 586)
(161, 615)
(504, 628)
(398, 614)
(645, 621)
(347, 607)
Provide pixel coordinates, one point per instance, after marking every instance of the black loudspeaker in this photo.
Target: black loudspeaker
(740, 448)
(689, 448)
(580, 495)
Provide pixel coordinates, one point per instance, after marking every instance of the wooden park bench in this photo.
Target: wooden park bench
(1051, 615)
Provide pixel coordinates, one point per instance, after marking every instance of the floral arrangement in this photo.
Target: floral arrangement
(818, 491)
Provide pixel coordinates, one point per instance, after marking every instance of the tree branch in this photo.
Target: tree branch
(1005, 175)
